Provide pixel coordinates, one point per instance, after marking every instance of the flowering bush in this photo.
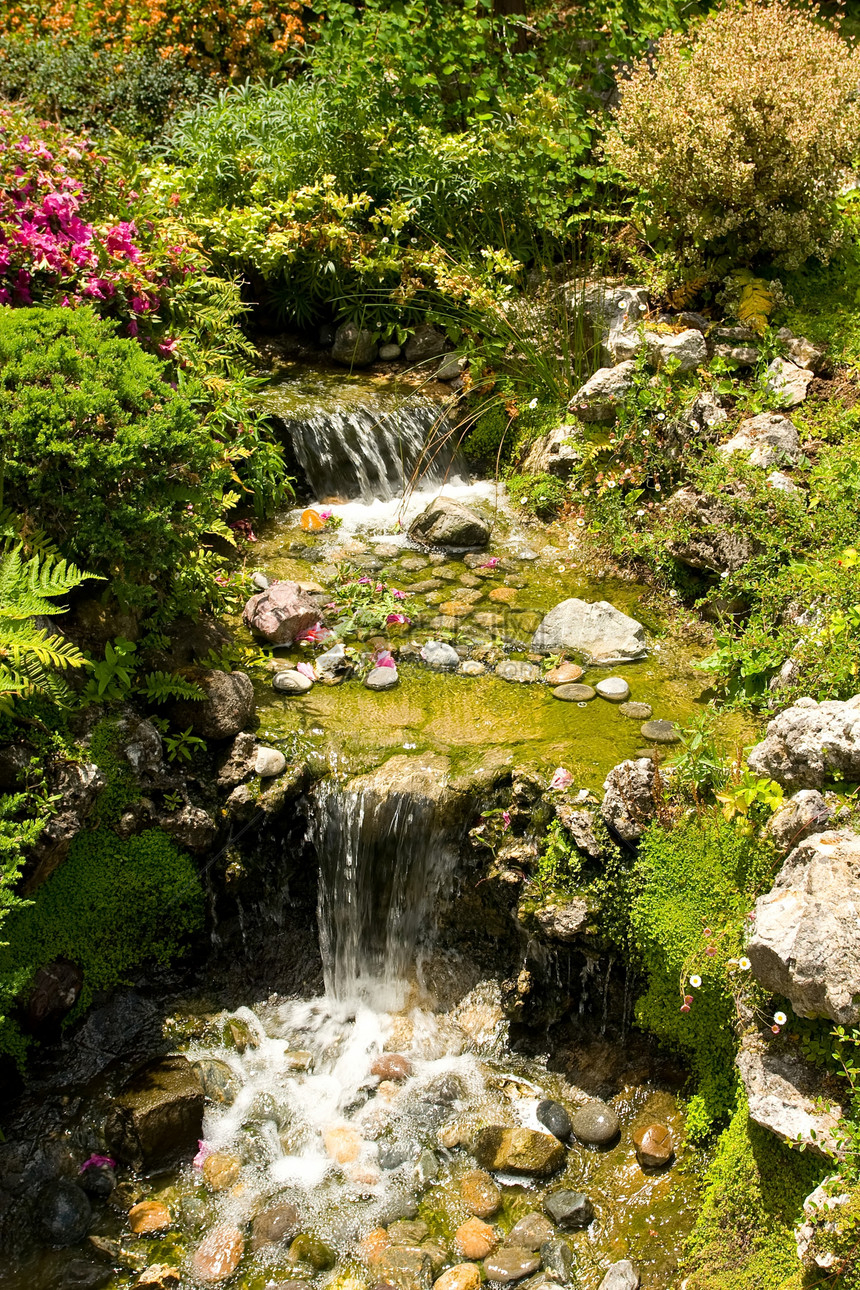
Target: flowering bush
(737, 137)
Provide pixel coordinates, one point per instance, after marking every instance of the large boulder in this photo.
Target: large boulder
(594, 628)
(157, 1119)
(280, 613)
(768, 438)
(598, 398)
(708, 539)
(518, 1151)
(811, 742)
(789, 1097)
(227, 708)
(553, 453)
(425, 342)
(632, 792)
(449, 524)
(805, 942)
(788, 382)
(354, 346)
(805, 813)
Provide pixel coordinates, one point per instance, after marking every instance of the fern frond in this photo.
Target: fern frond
(158, 687)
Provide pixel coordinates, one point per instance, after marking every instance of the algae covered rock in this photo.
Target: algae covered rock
(518, 1151)
(157, 1120)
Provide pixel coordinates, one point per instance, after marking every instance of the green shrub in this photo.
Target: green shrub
(694, 884)
(541, 495)
(736, 137)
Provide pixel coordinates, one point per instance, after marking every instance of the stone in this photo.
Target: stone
(790, 1097)
(636, 711)
(354, 346)
(620, 1276)
(595, 1123)
(802, 352)
(564, 674)
(393, 1066)
(788, 382)
(149, 1217)
(613, 688)
(269, 762)
(490, 622)
(480, 1194)
(660, 732)
(159, 1276)
(631, 792)
(554, 1117)
(594, 628)
(711, 539)
(582, 827)
(804, 813)
(822, 1221)
(653, 1145)
(343, 1144)
(80, 1274)
(64, 1213)
(475, 1239)
(98, 1178)
(259, 580)
(157, 1119)
(455, 608)
(553, 453)
(450, 524)
(598, 398)
(558, 1261)
(406, 1269)
(781, 483)
(218, 1255)
(568, 1209)
(805, 942)
(518, 1151)
(425, 342)
(280, 613)
(769, 438)
(811, 742)
(451, 367)
(615, 311)
(54, 992)
(274, 1226)
(574, 693)
(510, 1264)
(562, 920)
(463, 1276)
(220, 1170)
(227, 708)
(503, 595)
(516, 671)
(472, 667)
(687, 348)
(531, 1232)
(310, 1250)
(408, 1231)
(190, 826)
(388, 353)
(381, 678)
(291, 682)
(740, 355)
(439, 655)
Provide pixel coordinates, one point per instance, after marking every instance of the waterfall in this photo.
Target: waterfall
(383, 857)
(365, 455)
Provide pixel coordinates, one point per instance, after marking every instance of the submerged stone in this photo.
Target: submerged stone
(661, 732)
(574, 693)
(218, 1255)
(569, 1209)
(620, 1276)
(613, 688)
(636, 711)
(557, 1259)
(510, 1264)
(275, 1226)
(438, 654)
(475, 1239)
(514, 670)
(518, 1151)
(530, 1232)
(218, 1082)
(554, 1117)
(654, 1146)
(595, 1123)
(480, 1194)
(220, 1170)
(463, 1276)
(149, 1217)
(381, 678)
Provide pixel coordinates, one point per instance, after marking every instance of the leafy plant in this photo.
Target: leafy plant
(115, 678)
(182, 746)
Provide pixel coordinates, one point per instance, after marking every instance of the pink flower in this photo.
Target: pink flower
(313, 634)
(399, 595)
(97, 1162)
(398, 618)
(491, 563)
(306, 670)
(166, 349)
(325, 516)
(133, 328)
(561, 779)
(384, 659)
(203, 1150)
(685, 1007)
(506, 819)
(363, 582)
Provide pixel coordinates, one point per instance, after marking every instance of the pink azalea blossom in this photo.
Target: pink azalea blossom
(561, 779)
(399, 595)
(307, 670)
(363, 582)
(384, 658)
(313, 634)
(97, 1162)
(491, 563)
(325, 516)
(398, 618)
(203, 1150)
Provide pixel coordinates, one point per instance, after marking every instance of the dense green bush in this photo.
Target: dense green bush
(736, 137)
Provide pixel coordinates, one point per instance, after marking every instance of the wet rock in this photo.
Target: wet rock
(64, 1213)
(406, 1269)
(503, 595)
(438, 655)
(425, 342)
(480, 1194)
(805, 942)
(218, 1255)
(554, 1117)
(804, 813)
(811, 742)
(310, 1250)
(463, 1276)
(289, 681)
(79, 1274)
(562, 921)
(408, 1231)
(710, 538)
(98, 1178)
(392, 1155)
(160, 1276)
(269, 762)
(218, 1082)
(53, 994)
(475, 1239)
(594, 628)
(510, 1264)
(564, 674)
(788, 382)
(523, 673)
(381, 678)
(595, 1123)
(471, 667)
(449, 524)
(574, 693)
(583, 828)
(660, 732)
(392, 1066)
(613, 688)
(554, 453)
(531, 1232)
(620, 1276)
(518, 1151)
(768, 438)
(790, 1097)
(343, 1144)
(557, 1259)
(190, 826)
(280, 613)
(632, 791)
(227, 708)
(388, 353)
(569, 1210)
(428, 1166)
(157, 1120)
(149, 1217)
(636, 711)
(220, 1170)
(274, 1226)
(654, 1146)
(354, 346)
(489, 621)
(598, 398)
(451, 368)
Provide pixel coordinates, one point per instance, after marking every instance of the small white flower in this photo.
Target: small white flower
(580, 524)
(642, 308)
(780, 1018)
(384, 241)
(523, 501)
(744, 964)
(646, 434)
(724, 574)
(661, 416)
(673, 595)
(641, 511)
(612, 484)
(695, 982)
(562, 568)
(533, 403)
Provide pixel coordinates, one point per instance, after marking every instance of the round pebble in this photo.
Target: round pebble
(613, 688)
(574, 693)
(554, 1117)
(564, 674)
(471, 668)
(661, 732)
(595, 1123)
(514, 670)
(654, 1146)
(290, 682)
(381, 678)
(636, 711)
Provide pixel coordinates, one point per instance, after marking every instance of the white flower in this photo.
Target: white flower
(673, 595)
(744, 965)
(641, 511)
(661, 416)
(533, 403)
(695, 982)
(646, 434)
(384, 241)
(724, 574)
(642, 308)
(580, 524)
(780, 1018)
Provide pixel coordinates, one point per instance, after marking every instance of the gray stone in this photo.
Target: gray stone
(595, 1123)
(594, 628)
(531, 1232)
(660, 732)
(582, 827)
(64, 1213)
(788, 382)
(450, 524)
(450, 368)
(381, 678)
(688, 348)
(569, 1210)
(711, 540)
(613, 688)
(562, 921)
(811, 742)
(768, 438)
(354, 346)
(291, 682)
(406, 1269)
(510, 1264)
(227, 709)
(554, 1117)
(388, 353)
(632, 790)
(615, 312)
(217, 1080)
(805, 942)
(822, 1221)
(260, 581)
(514, 670)
(275, 1226)
(802, 351)
(334, 663)
(558, 1260)
(280, 613)
(190, 826)
(781, 483)
(598, 398)
(157, 1119)
(805, 813)
(553, 453)
(426, 342)
(789, 1097)
(636, 711)
(472, 667)
(574, 693)
(438, 654)
(740, 355)
(269, 762)
(620, 1276)
(518, 1151)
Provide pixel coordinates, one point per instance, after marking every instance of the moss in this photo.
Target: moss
(754, 1193)
(121, 789)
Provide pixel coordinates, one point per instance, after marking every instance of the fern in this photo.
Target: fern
(158, 687)
(756, 300)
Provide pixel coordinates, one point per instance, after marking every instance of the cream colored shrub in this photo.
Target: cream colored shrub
(737, 135)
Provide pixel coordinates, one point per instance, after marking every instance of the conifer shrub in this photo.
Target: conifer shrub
(737, 136)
